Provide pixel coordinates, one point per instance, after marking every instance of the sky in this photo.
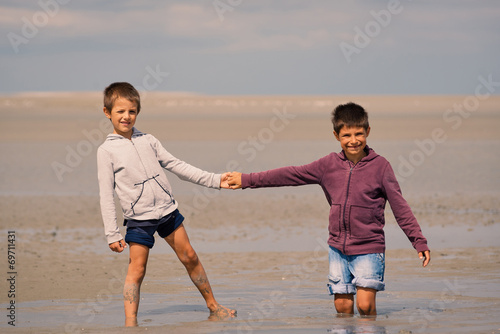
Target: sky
(257, 47)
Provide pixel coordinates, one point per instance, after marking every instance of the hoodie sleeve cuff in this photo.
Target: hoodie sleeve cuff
(421, 247)
(216, 181)
(245, 181)
(114, 238)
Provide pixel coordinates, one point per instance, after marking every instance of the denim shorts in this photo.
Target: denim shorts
(350, 271)
(144, 235)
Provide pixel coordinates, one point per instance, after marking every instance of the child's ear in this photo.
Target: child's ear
(107, 112)
(367, 131)
(336, 135)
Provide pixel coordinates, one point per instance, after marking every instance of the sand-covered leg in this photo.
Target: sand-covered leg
(131, 291)
(179, 242)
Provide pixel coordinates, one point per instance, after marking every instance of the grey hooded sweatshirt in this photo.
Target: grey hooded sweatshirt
(134, 169)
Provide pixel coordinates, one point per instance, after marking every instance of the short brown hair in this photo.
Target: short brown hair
(349, 115)
(121, 89)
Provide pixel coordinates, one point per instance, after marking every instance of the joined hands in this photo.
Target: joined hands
(230, 180)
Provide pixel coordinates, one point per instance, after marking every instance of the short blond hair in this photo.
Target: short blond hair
(123, 90)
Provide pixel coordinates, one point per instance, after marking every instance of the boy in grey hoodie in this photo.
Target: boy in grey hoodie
(131, 164)
(357, 183)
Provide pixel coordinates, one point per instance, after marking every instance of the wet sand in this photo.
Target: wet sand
(264, 250)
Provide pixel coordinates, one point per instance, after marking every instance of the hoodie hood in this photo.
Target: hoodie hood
(136, 133)
(370, 155)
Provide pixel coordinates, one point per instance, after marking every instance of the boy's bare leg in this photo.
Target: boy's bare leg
(179, 242)
(365, 301)
(344, 304)
(131, 291)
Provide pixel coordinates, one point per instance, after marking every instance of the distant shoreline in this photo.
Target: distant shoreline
(162, 101)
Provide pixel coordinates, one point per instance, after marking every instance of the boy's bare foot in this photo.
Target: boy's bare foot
(219, 312)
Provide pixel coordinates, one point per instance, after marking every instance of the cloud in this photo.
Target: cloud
(66, 23)
(253, 26)
(10, 17)
(258, 26)
(243, 30)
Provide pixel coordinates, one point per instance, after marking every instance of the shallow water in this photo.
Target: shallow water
(292, 300)
(424, 306)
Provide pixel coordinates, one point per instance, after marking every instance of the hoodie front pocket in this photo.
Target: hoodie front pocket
(362, 222)
(164, 188)
(134, 203)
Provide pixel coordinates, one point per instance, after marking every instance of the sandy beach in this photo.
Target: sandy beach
(264, 250)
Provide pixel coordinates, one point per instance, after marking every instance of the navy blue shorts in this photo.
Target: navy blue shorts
(144, 235)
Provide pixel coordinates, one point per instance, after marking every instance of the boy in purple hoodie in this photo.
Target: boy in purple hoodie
(357, 183)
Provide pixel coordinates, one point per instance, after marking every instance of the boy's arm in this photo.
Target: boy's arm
(106, 179)
(186, 171)
(404, 216)
(279, 177)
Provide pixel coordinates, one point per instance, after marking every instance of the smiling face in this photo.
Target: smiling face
(353, 142)
(122, 116)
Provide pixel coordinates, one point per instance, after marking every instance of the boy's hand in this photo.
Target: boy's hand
(118, 246)
(234, 180)
(223, 181)
(426, 256)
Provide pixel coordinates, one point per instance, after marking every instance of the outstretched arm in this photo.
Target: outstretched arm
(280, 177)
(184, 170)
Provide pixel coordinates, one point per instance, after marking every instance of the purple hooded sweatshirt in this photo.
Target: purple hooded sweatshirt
(357, 195)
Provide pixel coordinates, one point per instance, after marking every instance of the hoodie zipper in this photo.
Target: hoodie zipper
(145, 172)
(139, 156)
(345, 205)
